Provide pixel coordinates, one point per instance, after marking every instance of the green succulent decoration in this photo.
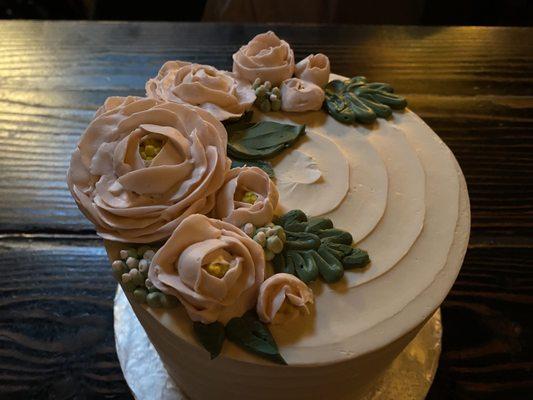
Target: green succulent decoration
(356, 100)
(314, 248)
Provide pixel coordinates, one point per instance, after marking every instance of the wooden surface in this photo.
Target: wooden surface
(474, 87)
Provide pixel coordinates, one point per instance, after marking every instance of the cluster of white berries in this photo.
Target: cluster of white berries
(268, 97)
(271, 238)
(132, 271)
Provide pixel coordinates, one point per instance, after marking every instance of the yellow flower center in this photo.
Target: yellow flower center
(249, 197)
(149, 148)
(218, 267)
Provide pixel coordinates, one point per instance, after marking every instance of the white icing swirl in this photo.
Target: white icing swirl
(282, 298)
(219, 92)
(298, 96)
(230, 206)
(180, 268)
(138, 200)
(314, 165)
(314, 68)
(266, 57)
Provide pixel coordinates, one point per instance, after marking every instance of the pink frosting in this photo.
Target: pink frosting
(229, 206)
(314, 68)
(283, 288)
(266, 57)
(219, 92)
(131, 200)
(298, 96)
(178, 269)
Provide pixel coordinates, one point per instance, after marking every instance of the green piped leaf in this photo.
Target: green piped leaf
(249, 333)
(314, 247)
(330, 268)
(264, 139)
(356, 100)
(211, 336)
(356, 259)
(264, 165)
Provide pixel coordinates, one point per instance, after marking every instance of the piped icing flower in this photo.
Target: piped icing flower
(298, 96)
(212, 267)
(143, 165)
(266, 57)
(218, 92)
(314, 68)
(282, 298)
(248, 195)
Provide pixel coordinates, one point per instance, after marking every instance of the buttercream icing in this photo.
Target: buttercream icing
(138, 200)
(283, 297)
(266, 57)
(230, 202)
(218, 92)
(314, 68)
(298, 96)
(181, 267)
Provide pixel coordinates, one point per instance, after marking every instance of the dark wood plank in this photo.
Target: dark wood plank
(471, 96)
(56, 321)
(487, 346)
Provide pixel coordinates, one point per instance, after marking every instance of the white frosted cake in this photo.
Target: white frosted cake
(278, 236)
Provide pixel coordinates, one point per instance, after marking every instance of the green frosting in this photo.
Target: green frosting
(264, 165)
(249, 333)
(315, 248)
(211, 337)
(356, 100)
(249, 140)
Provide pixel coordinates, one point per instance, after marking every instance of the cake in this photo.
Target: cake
(280, 231)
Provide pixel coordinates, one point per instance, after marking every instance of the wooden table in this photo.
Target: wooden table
(474, 86)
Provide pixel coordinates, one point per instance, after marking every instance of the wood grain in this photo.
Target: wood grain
(56, 320)
(473, 86)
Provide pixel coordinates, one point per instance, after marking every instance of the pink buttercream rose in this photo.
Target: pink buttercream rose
(219, 92)
(266, 57)
(248, 195)
(299, 96)
(283, 297)
(314, 68)
(212, 267)
(143, 165)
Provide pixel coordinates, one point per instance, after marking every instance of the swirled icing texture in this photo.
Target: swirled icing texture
(298, 96)
(218, 92)
(282, 298)
(266, 57)
(314, 68)
(230, 206)
(130, 199)
(179, 269)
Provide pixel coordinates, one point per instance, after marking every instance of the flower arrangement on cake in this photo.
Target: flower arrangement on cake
(220, 194)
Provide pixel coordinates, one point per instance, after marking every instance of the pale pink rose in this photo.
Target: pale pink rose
(299, 96)
(314, 68)
(230, 206)
(266, 57)
(282, 298)
(219, 92)
(131, 199)
(181, 268)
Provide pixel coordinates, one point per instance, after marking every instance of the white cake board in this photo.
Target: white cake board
(409, 376)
